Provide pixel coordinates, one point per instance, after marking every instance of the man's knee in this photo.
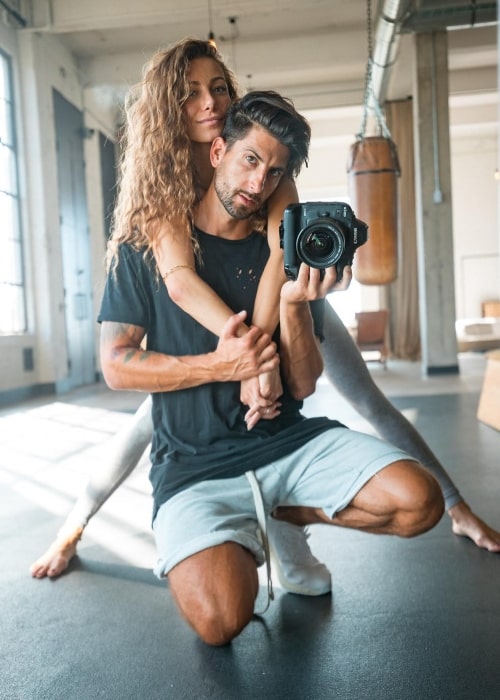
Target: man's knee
(422, 503)
(215, 591)
(217, 625)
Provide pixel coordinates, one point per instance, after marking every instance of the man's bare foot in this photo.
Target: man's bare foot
(58, 556)
(467, 524)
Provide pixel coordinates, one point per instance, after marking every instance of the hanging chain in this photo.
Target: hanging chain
(369, 38)
(369, 66)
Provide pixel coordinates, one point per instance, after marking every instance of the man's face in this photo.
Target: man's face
(248, 173)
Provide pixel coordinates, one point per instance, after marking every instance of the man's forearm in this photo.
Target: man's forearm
(126, 365)
(300, 356)
(140, 370)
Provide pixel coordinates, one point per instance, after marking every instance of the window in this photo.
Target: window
(347, 303)
(12, 292)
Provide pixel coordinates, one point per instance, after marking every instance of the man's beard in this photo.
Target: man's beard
(226, 198)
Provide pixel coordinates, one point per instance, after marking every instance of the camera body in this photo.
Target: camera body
(320, 234)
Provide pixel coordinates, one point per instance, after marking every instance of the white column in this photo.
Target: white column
(433, 203)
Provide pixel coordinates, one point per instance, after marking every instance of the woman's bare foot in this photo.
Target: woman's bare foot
(467, 524)
(57, 557)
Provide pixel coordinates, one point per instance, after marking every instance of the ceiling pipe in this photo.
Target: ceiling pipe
(385, 48)
(14, 13)
(398, 16)
(435, 15)
(380, 61)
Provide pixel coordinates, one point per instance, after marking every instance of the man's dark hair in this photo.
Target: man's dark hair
(278, 116)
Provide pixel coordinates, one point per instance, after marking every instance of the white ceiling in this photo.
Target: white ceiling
(315, 51)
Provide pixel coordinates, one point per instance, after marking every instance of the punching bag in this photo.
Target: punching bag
(373, 169)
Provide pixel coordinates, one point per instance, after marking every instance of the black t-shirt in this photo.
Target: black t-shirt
(200, 433)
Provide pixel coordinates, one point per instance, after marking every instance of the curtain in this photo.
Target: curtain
(403, 292)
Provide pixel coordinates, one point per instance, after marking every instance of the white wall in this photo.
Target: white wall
(41, 63)
(475, 205)
(44, 64)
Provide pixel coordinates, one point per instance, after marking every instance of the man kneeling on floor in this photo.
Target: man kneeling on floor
(215, 483)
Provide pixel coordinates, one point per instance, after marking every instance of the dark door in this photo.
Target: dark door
(75, 245)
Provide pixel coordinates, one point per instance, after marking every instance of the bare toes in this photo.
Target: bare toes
(59, 564)
(481, 534)
(38, 570)
(55, 560)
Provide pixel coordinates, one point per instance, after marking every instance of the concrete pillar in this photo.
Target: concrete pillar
(433, 204)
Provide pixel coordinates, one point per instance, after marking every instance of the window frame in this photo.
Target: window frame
(17, 308)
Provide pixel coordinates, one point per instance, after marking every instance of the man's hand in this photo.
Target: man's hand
(301, 361)
(242, 358)
(309, 286)
(346, 280)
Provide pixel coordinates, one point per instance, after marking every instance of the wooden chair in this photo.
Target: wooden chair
(371, 335)
(490, 308)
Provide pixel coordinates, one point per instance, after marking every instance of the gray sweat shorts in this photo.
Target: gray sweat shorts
(327, 472)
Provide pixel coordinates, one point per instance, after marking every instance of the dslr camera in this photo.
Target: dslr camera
(320, 234)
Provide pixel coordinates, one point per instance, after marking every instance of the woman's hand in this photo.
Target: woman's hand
(261, 395)
(270, 385)
(258, 412)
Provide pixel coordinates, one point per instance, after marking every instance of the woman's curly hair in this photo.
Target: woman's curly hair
(157, 174)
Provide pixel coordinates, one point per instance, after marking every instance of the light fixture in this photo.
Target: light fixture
(234, 34)
(211, 35)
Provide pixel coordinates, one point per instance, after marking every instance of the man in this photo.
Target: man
(213, 480)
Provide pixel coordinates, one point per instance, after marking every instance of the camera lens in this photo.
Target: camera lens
(320, 245)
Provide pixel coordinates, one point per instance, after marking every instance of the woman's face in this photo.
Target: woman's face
(206, 107)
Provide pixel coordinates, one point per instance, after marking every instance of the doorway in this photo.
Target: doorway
(75, 246)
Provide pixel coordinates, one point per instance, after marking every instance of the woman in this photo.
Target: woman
(173, 115)
(172, 119)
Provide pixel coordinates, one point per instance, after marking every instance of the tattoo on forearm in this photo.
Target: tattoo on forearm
(129, 355)
(132, 354)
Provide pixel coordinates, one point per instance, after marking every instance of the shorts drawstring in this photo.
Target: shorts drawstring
(262, 520)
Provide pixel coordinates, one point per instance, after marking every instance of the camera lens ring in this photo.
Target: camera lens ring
(320, 244)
